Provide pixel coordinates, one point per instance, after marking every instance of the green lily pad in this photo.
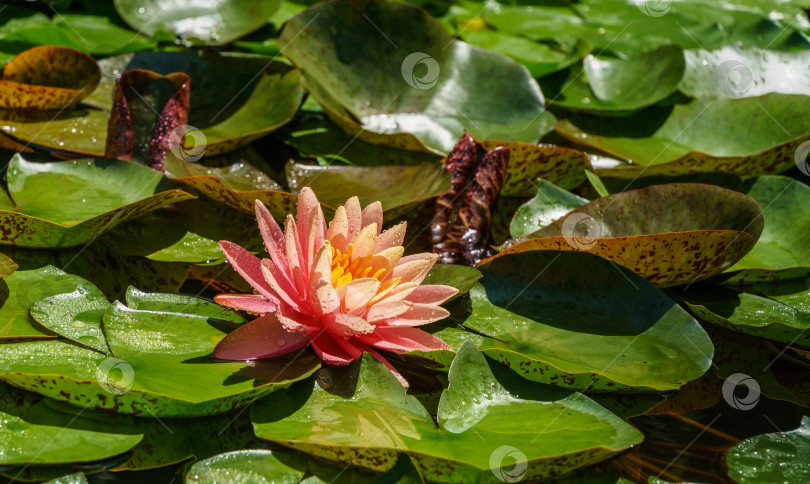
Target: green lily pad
(539, 58)
(781, 252)
(578, 321)
(702, 135)
(377, 421)
(413, 86)
(550, 203)
(75, 316)
(162, 364)
(662, 232)
(316, 136)
(214, 23)
(76, 478)
(81, 130)
(783, 316)
(400, 188)
(776, 457)
(51, 433)
(62, 204)
(20, 292)
(461, 277)
(734, 71)
(619, 84)
(246, 466)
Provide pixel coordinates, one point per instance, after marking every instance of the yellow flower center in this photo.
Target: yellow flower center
(345, 270)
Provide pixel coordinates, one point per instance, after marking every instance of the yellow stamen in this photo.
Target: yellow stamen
(345, 270)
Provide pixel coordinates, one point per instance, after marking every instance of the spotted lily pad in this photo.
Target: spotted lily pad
(75, 316)
(161, 364)
(47, 77)
(700, 136)
(389, 73)
(362, 415)
(527, 162)
(579, 321)
(208, 23)
(663, 232)
(62, 204)
(7, 266)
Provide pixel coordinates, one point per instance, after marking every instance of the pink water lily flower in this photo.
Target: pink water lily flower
(344, 290)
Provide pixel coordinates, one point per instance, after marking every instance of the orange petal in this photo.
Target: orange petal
(403, 340)
(354, 217)
(432, 294)
(415, 272)
(357, 293)
(345, 325)
(329, 351)
(281, 286)
(387, 310)
(253, 303)
(338, 233)
(363, 244)
(248, 266)
(391, 237)
(261, 338)
(293, 248)
(418, 315)
(272, 236)
(372, 214)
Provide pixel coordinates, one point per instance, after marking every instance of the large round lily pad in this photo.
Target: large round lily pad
(699, 136)
(772, 457)
(162, 363)
(670, 234)
(215, 23)
(363, 416)
(390, 73)
(579, 321)
(62, 204)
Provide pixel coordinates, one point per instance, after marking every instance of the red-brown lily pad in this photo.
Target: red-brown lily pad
(47, 77)
(670, 234)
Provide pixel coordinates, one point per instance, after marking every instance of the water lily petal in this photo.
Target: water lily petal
(354, 217)
(415, 272)
(328, 350)
(372, 214)
(358, 293)
(432, 294)
(323, 298)
(272, 236)
(391, 237)
(403, 340)
(253, 303)
(344, 325)
(386, 310)
(281, 286)
(365, 241)
(297, 273)
(394, 293)
(261, 338)
(386, 259)
(418, 315)
(338, 233)
(296, 322)
(311, 224)
(248, 266)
